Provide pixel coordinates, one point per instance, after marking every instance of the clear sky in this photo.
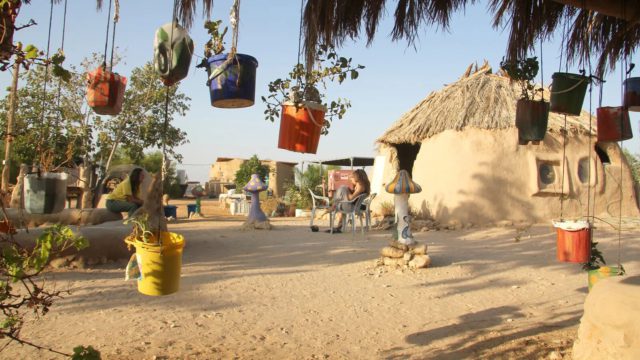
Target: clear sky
(396, 77)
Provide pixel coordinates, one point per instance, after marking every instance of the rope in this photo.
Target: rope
(46, 71)
(58, 96)
(590, 147)
(564, 150)
(300, 36)
(106, 40)
(542, 69)
(116, 17)
(313, 119)
(622, 77)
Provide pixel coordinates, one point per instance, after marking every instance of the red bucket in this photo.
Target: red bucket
(573, 243)
(300, 128)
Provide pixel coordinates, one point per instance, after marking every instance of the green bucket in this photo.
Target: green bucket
(567, 93)
(602, 273)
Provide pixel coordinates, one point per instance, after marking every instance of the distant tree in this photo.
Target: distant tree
(249, 167)
(634, 164)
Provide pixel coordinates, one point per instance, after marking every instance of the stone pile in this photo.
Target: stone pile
(408, 256)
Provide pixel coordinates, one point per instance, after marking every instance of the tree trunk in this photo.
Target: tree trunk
(10, 118)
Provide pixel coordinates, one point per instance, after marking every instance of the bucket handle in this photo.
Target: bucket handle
(220, 69)
(569, 89)
(313, 119)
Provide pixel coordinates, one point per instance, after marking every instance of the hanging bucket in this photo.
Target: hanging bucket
(613, 124)
(602, 273)
(567, 93)
(632, 94)
(159, 265)
(531, 120)
(8, 14)
(300, 128)
(573, 241)
(172, 52)
(105, 92)
(232, 83)
(45, 193)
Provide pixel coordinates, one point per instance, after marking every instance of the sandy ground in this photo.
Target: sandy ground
(289, 293)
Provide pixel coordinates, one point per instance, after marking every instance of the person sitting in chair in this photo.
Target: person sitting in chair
(126, 196)
(360, 184)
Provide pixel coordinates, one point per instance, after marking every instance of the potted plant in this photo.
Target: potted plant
(232, 76)
(567, 92)
(158, 257)
(305, 113)
(632, 93)
(173, 49)
(532, 115)
(613, 123)
(596, 268)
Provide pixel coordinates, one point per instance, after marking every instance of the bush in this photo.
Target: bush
(387, 208)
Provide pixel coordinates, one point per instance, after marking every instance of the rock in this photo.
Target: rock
(79, 263)
(419, 224)
(454, 225)
(504, 223)
(407, 256)
(398, 245)
(420, 261)
(419, 249)
(554, 355)
(58, 263)
(424, 229)
(394, 261)
(391, 252)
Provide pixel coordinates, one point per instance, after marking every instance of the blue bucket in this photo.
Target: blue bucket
(232, 84)
(171, 211)
(191, 208)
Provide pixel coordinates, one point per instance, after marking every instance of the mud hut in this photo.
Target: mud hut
(461, 145)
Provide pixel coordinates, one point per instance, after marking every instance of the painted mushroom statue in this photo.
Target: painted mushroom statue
(401, 186)
(254, 187)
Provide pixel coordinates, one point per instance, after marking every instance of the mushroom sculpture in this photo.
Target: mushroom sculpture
(256, 217)
(402, 186)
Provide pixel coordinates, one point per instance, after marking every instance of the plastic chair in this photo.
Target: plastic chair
(350, 215)
(365, 210)
(319, 202)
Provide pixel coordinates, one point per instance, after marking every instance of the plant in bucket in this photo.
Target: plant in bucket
(532, 115)
(158, 258)
(573, 239)
(231, 76)
(596, 268)
(305, 113)
(631, 100)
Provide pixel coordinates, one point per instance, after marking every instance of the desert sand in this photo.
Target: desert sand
(289, 293)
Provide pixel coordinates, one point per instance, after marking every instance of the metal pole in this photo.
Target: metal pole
(10, 119)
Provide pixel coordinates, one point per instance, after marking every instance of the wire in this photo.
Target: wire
(106, 40)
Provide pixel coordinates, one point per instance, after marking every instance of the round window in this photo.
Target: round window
(546, 173)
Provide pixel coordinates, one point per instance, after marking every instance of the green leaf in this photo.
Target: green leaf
(85, 353)
(354, 74)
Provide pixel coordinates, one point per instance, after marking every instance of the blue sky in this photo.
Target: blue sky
(395, 79)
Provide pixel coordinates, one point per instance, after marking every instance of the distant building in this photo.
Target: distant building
(222, 175)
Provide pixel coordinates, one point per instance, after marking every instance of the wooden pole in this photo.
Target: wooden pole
(10, 119)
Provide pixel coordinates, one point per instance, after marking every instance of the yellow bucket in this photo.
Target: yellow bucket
(160, 266)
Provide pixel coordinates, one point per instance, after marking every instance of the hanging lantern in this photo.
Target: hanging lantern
(105, 91)
(172, 52)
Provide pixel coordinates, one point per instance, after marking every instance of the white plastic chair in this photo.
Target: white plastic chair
(365, 210)
(319, 202)
(349, 215)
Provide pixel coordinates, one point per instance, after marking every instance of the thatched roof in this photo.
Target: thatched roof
(605, 29)
(480, 100)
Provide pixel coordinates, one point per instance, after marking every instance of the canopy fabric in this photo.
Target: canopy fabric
(352, 161)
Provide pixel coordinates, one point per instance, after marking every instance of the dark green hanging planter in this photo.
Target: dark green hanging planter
(532, 118)
(567, 93)
(45, 193)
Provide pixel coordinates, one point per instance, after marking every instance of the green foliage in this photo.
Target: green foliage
(523, 72)
(85, 353)
(596, 260)
(302, 85)
(19, 293)
(298, 196)
(387, 208)
(248, 168)
(141, 230)
(215, 44)
(634, 165)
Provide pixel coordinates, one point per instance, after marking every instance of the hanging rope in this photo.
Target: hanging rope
(46, 79)
(234, 20)
(165, 125)
(622, 79)
(106, 40)
(116, 17)
(59, 94)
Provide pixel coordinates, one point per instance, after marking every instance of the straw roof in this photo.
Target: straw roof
(605, 29)
(480, 100)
